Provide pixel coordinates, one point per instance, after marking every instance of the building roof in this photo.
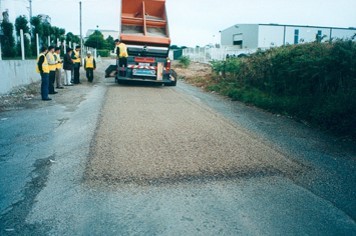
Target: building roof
(311, 26)
(304, 26)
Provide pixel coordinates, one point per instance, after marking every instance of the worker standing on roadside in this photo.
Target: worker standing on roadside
(57, 57)
(76, 65)
(52, 64)
(89, 66)
(121, 53)
(42, 68)
(68, 67)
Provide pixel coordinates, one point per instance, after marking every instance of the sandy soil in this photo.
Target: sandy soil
(195, 74)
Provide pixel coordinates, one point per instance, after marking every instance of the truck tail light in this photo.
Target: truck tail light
(145, 59)
(168, 65)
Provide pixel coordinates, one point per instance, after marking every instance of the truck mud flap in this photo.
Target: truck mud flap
(111, 71)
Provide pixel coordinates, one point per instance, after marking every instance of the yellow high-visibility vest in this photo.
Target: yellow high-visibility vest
(57, 59)
(89, 62)
(52, 67)
(45, 67)
(77, 56)
(123, 50)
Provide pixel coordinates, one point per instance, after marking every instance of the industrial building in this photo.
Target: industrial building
(253, 36)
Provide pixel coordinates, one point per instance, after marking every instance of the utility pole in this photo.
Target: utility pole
(80, 20)
(0, 12)
(1, 33)
(30, 8)
(80, 26)
(29, 20)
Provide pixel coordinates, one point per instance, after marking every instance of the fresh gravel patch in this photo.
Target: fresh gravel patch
(149, 135)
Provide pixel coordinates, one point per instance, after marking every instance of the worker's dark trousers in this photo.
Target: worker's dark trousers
(76, 73)
(52, 78)
(90, 74)
(122, 66)
(44, 85)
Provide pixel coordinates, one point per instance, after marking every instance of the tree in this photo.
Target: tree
(70, 37)
(96, 40)
(174, 47)
(110, 43)
(57, 33)
(8, 40)
(54, 32)
(37, 25)
(61, 33)
(47, 31)
(21, 22)
(37, 28)
(44, 29)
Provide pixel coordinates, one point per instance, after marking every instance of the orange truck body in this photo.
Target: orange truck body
(144, 30)
(144, 22)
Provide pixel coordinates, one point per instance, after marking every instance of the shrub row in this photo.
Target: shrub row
(103, 53)
(315, 82)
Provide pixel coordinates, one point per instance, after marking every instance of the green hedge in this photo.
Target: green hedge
(315, 82)
(184, 61)
(103, 53)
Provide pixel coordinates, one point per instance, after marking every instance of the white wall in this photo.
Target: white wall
(206, 55)
(306, 34)
(342, 34)
(272, 35)
(247, 32)
(15, 73)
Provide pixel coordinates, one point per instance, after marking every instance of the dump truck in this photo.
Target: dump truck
(144, 30)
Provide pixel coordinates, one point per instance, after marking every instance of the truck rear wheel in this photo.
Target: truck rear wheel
(173, 83)
(175, 77)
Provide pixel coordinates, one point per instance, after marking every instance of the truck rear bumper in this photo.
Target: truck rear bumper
(122, 79)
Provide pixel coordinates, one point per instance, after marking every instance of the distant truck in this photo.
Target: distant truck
(144, 30)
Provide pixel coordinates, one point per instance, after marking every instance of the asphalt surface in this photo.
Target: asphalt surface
(105, 159)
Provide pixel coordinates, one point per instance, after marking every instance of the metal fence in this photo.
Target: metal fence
(207, 54)
(63, 45)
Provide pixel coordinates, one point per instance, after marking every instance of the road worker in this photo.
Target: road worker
(52, 64)
(76, 65)
(121, 52)
(68, 67)
(43, 69)
(89, 66)
(57, 57)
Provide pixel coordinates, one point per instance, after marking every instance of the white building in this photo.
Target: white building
(253, 36)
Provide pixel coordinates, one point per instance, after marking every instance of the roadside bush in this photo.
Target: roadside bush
(184, 61)
(103, 53)
(314, 82)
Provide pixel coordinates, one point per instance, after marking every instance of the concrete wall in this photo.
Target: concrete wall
(15, 73)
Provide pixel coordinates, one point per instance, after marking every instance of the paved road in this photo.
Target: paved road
(143, 160)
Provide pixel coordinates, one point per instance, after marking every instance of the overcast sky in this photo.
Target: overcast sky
(193, 22)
